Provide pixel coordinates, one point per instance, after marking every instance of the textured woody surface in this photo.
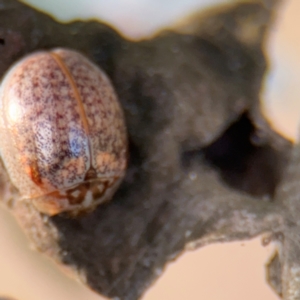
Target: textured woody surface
(204, 165)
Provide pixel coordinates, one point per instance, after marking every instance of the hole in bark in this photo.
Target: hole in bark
(2, 41)
(233, 148)
(242, 162)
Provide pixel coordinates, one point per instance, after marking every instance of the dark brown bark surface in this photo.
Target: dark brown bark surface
(204, 164)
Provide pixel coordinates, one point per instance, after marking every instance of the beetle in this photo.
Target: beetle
(63, 137)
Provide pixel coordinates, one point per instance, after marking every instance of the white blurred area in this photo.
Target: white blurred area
(134, 18)
(231, 271)
(281, 95)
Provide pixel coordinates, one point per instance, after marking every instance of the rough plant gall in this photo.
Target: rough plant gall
(62, 133)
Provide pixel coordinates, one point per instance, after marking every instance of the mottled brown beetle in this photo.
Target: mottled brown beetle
(62, 133)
